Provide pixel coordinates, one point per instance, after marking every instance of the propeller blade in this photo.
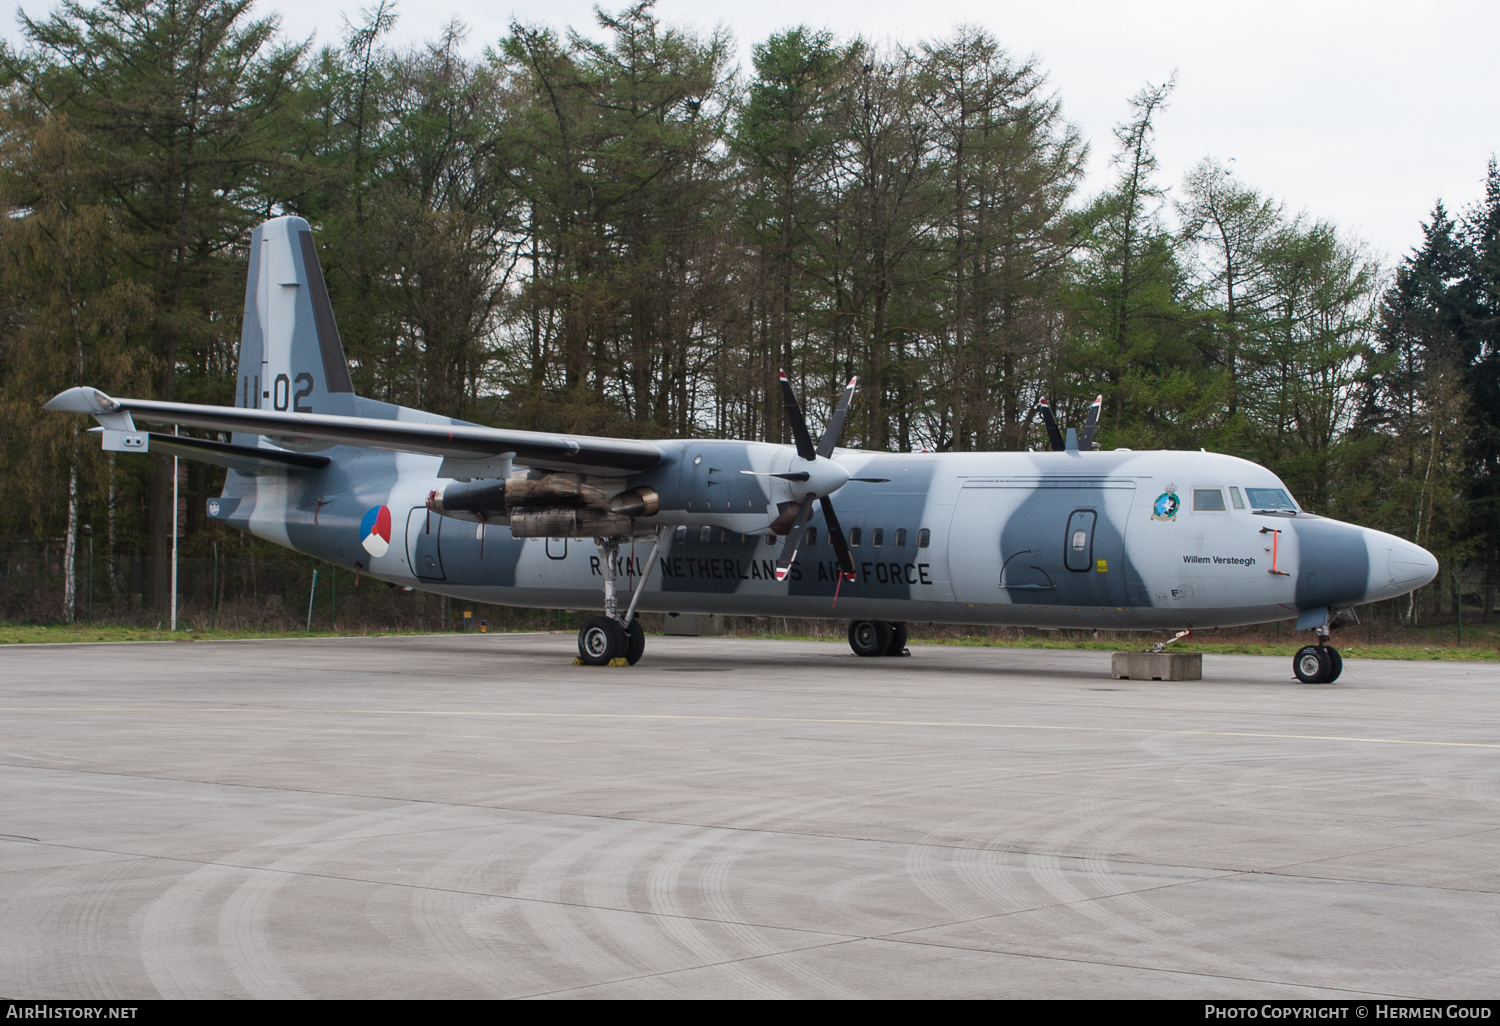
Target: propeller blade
(836, 425)
(1054, 436)
(872, 480)
(794, 539)
(797, 475)
(794, 417)
(836, 536)
(1086, 442)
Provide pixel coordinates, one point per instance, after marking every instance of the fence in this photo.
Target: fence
(245, 592)
(235, 590)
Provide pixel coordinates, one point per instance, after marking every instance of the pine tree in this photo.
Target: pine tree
(1480, 321)
(179, 102)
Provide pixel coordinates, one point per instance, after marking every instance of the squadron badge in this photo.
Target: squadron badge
(1166, 505)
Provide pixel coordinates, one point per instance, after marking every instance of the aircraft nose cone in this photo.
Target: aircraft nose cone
(1411, 566)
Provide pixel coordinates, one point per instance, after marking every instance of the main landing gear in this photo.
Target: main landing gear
(614, 639)
(1318, 664)
(877, 638)
(603, 640)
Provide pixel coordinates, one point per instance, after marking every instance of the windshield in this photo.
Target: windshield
(1269, 498)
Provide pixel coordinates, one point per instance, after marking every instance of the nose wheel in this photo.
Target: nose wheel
(1317, 664)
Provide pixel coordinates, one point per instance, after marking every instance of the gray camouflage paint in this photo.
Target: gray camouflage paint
(1055, 539)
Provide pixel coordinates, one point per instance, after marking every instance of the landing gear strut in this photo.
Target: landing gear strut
(613, 639)
(877, 638)
(1320, 663)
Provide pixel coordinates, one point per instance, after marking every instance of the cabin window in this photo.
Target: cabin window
(1080, 540)
(1208, 500)
(681, 534)
(812, 536)
(770, 539)
(1234, 497)
(705, 535)
(854, 538)
(900, 537)
(877, 537)
(924, 538)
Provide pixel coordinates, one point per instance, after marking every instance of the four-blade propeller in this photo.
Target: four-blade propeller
(1074, 442)
(822, 477)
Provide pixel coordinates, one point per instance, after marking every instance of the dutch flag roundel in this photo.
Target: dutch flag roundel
(375, 531)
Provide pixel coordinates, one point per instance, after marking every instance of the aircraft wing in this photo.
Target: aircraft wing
(579, 453)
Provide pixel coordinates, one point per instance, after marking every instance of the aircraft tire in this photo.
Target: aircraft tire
(1312, 665)
(898, 639)
(870, 637)
(635, 641)
(1336, 665)
(600, 640)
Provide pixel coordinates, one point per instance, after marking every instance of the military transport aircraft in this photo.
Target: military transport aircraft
(1071, 537)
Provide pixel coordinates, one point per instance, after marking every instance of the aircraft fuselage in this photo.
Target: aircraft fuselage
(1121, 540)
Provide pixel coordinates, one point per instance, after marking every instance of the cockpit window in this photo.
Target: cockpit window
(1269, 498)
(1208, 500)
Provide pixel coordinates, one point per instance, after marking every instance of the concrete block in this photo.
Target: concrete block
(1157, 666)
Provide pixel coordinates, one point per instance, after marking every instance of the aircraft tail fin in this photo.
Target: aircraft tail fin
(291, 357)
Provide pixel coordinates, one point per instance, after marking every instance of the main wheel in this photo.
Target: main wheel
(870, 637)
(635, 641)
(600, 640)
(1336, 665)
(1312, 665)
(898, 640)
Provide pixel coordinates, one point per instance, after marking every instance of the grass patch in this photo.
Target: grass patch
(81, 633)
(1434, 643)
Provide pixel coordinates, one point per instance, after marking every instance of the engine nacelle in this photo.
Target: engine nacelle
(547, 505)
(481, 501)
(582, 522)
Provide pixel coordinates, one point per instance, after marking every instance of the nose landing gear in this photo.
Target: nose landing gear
(1318, 664)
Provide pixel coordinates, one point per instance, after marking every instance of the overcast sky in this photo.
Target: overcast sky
(1362, 113)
